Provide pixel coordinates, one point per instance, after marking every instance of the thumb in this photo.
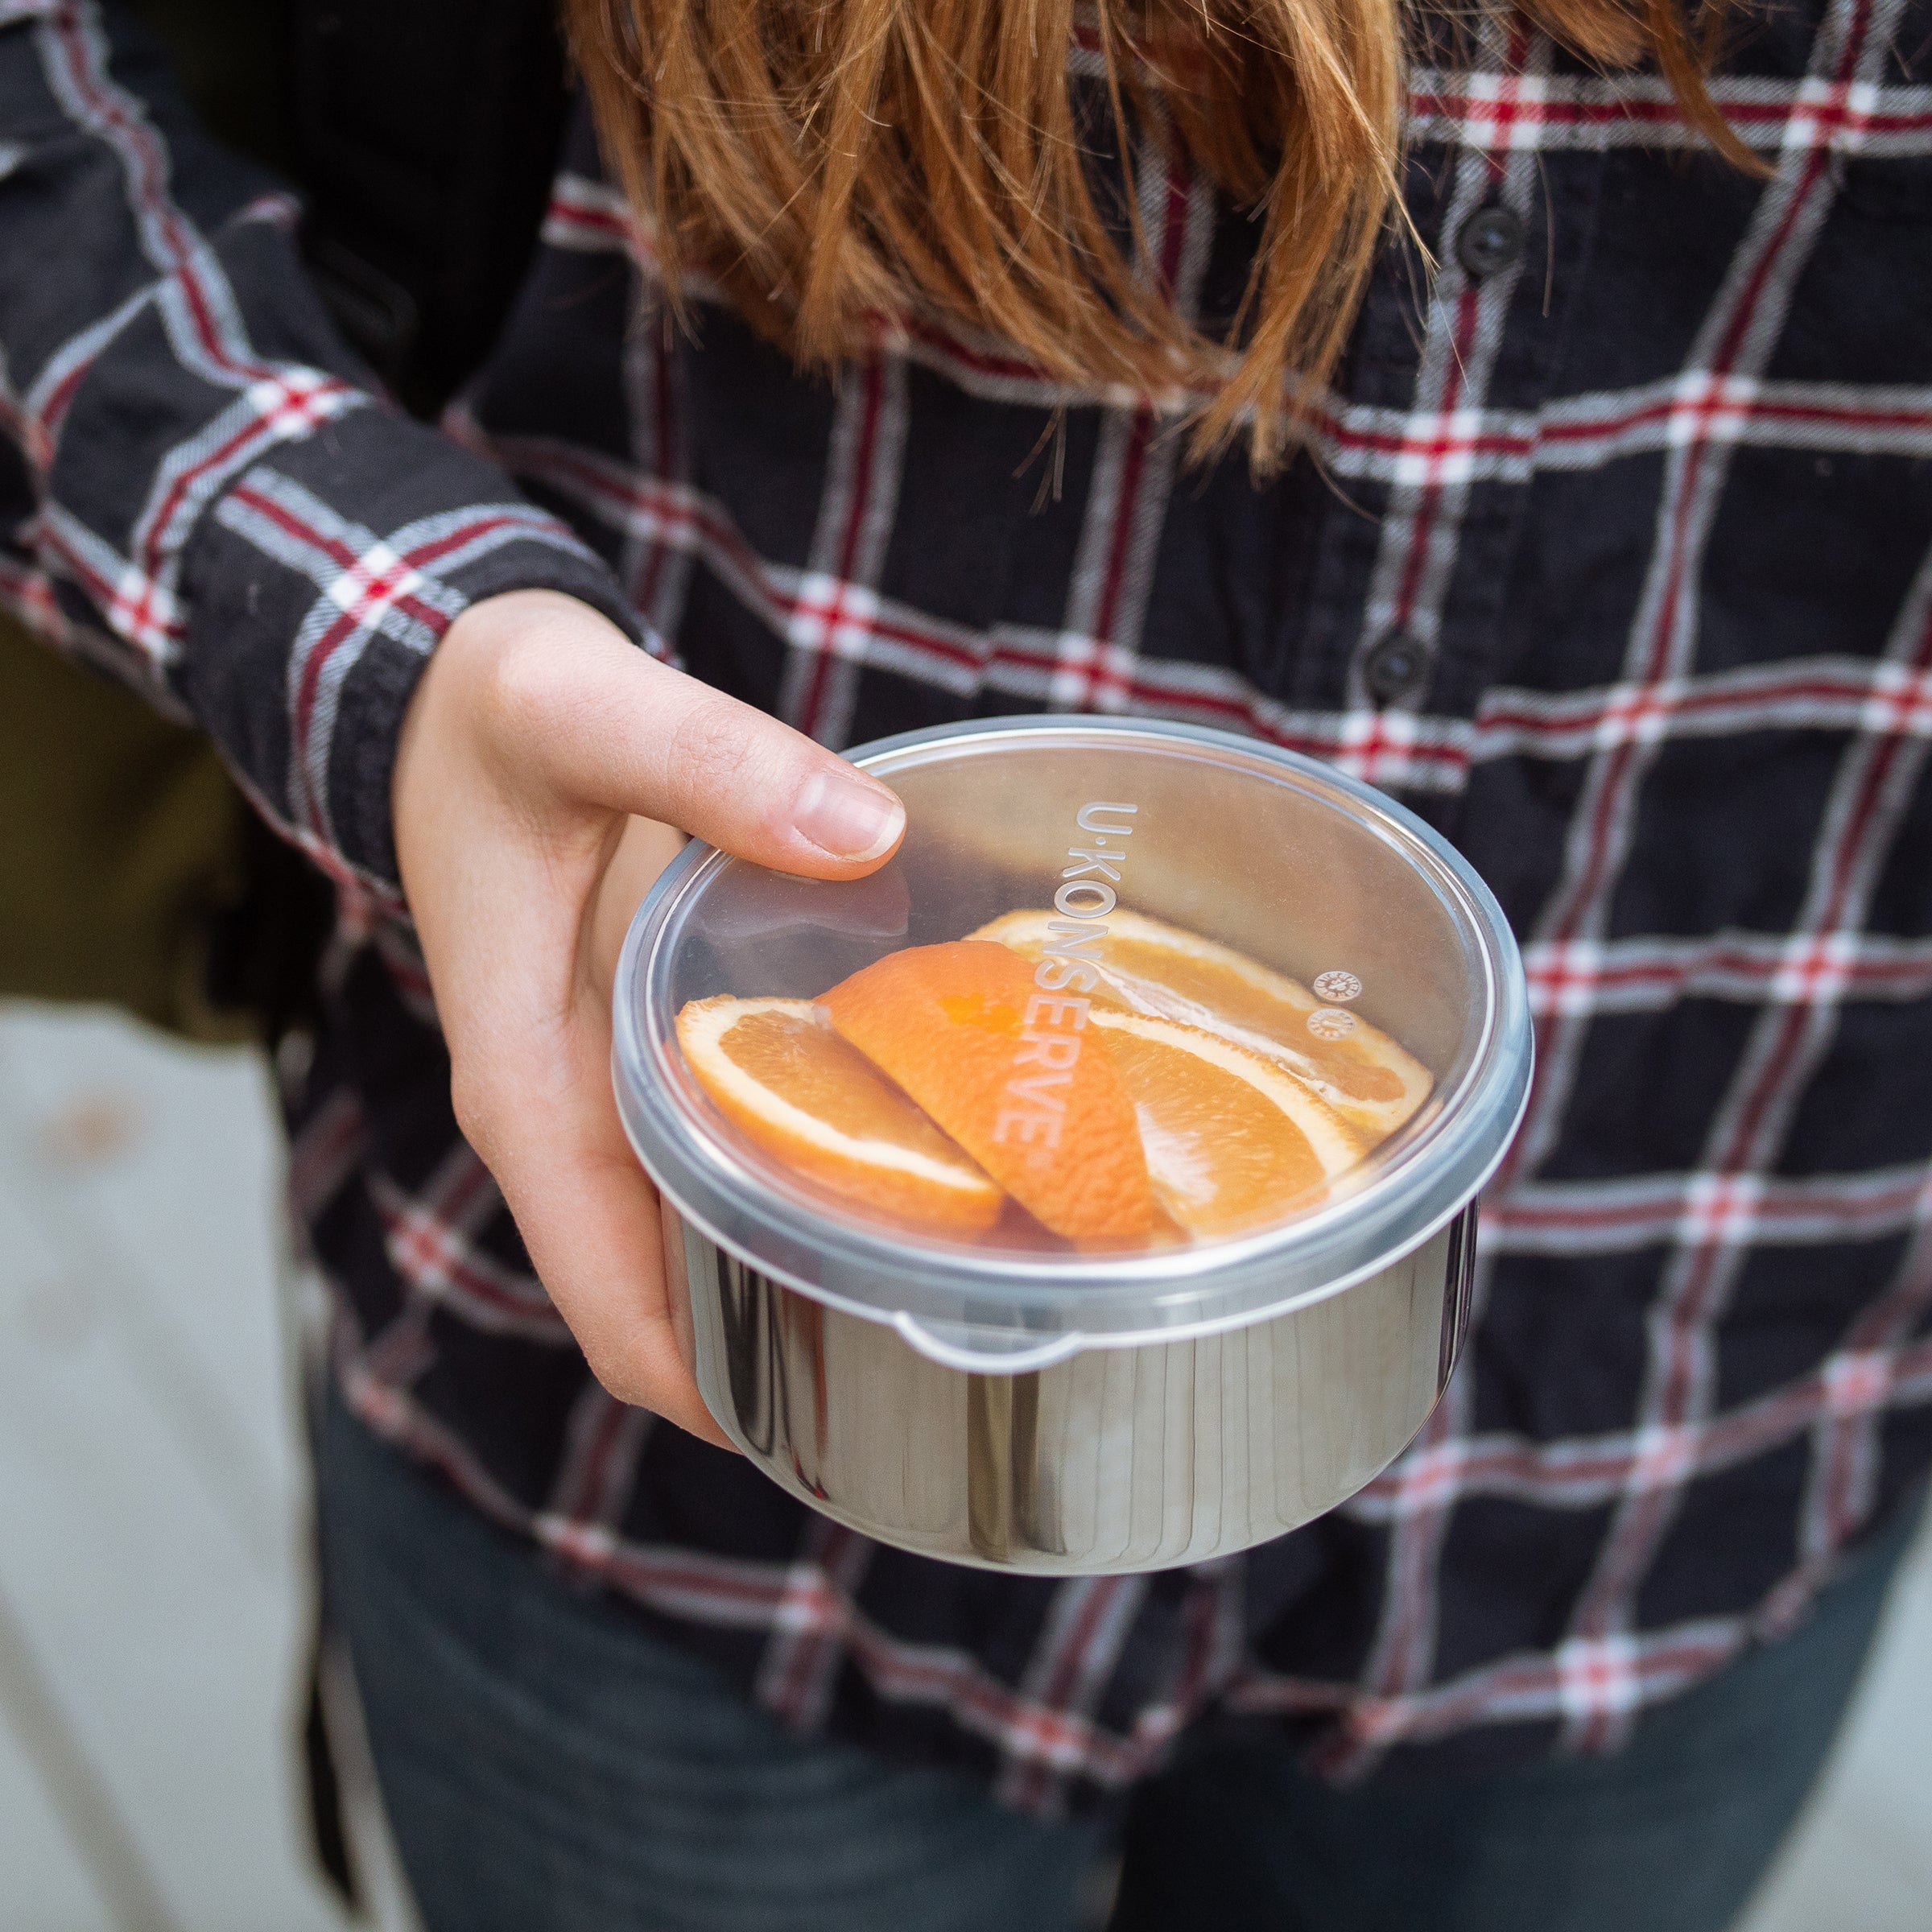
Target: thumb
(608, 726)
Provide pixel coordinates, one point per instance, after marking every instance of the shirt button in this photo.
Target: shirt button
(1489, 242)
(1397, 664)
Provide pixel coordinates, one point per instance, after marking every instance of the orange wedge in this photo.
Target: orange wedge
(1231, 1140)
(776, 1068)
(1164, 971)
(1015, 1074)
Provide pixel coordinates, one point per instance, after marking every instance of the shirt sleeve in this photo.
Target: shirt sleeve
(200, 491)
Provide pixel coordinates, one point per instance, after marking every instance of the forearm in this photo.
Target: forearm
(197, 485)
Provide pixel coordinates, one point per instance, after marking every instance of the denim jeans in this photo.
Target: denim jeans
(551, 1765)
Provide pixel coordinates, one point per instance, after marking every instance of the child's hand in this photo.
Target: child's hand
(538, 735)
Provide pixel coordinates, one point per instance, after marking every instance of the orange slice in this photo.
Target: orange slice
(1013, 1074)
(1150, 967)
(1231, 1140)
(777, 1069)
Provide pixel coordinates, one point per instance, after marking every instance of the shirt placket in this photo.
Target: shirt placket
(1433, 441)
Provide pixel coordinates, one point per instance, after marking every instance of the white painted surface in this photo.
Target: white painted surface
(1861, 1860)
(150, 1502)
(151, 1521)
(43, 1883)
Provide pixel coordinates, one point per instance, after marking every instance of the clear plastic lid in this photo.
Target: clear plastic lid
(1145, 1028)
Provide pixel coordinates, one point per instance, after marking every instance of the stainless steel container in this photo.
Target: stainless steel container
(1099, 1459)
(1031, 1404)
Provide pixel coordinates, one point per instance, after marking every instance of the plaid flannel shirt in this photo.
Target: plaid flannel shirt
(1620, 571)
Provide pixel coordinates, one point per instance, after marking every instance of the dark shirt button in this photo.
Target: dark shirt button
(1395, 667)
(1489, 242)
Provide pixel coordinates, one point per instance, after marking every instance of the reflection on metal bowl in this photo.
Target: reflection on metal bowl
(1109, 1459)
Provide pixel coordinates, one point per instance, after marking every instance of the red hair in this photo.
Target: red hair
(831, 163)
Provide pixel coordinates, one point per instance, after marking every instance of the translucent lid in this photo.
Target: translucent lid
(1145, 1028)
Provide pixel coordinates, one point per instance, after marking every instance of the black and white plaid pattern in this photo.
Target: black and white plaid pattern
(1646, 504)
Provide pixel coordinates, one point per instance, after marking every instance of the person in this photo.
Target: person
(1529, 411)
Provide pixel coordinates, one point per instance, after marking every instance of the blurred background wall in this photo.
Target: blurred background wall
(154, 1589)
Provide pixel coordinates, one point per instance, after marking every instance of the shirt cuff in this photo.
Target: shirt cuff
(316, 587)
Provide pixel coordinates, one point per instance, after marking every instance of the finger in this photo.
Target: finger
(606, 725)
(548, 1130)
(530, 1058)
(643, 849)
